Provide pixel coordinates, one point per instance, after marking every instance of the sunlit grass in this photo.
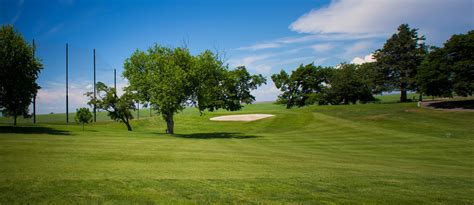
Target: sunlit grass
(372, 153)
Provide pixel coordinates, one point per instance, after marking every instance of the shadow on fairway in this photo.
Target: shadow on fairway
(462, 104)
(216, 135)
(32, 130)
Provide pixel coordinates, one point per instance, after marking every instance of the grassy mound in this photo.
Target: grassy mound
(373, 153)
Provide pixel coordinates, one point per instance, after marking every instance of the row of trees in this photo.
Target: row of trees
(404, 63)
(170, 79)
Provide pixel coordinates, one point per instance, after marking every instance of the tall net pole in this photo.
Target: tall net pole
(67, 84)
(95, 118)
(34, 98)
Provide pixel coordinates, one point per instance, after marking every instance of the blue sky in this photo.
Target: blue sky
(266, 36)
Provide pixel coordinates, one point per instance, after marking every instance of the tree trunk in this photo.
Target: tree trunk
(83, 127)
(14, 119)
(403, 93)
(129, 128)
(127, 123)
(169, 123)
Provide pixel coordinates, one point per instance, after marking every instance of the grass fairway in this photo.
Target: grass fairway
(373, 153)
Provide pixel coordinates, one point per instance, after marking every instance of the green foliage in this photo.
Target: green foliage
(399, 59)
(450, 68)
(118, 108)
(83, 116)
(171, 79)
(303, 87)
(311, 84)
(19, 70)
(347, 85)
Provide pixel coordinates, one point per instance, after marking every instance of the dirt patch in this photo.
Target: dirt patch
(241, 118)
(376, 117)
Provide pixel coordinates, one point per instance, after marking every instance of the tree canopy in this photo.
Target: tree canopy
(304, 86)
(83, 116)
(310, 84)
(399, 59)
(118, 108)
(171, 79)
(450, 68)
(19, 70)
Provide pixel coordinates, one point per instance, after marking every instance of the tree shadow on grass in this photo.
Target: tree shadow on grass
(464, 104)
(32, 130)
(216, 135)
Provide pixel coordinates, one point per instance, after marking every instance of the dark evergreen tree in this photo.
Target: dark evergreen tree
(399, 59)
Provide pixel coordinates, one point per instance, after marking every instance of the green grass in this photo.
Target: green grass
(391, 153)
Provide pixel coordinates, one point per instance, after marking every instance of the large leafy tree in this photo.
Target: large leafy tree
(348, 84)
(171, 79)
(118, 108)
(450, 68)
(303, 87)
(399, 59)
(19, 70)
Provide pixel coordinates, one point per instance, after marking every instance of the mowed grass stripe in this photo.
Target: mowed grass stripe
(319, 154)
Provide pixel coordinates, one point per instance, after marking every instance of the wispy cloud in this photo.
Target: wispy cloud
(322, 47)
(383, 17)
(261, 46)
(52, 97)
(19, 11)
(358, 48)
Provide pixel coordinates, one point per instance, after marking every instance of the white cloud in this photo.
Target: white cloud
(367, 59)
(322, 47)
(438, 19)
(358, 48)
(266, 92)
(261, 46)
(52, 97)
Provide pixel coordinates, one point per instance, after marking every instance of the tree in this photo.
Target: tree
(118, 108)
(348, 85)
(19, 70)
(371, 77)
(311, 84)
(171, 79)
(303, 87)
(450, 68)
(83, 115)
(399, 58)
(460, 53)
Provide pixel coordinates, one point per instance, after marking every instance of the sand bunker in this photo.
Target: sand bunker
(244, 118)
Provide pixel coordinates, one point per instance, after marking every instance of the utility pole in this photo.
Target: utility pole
(34, 98)
(95, 119)
(67, 84)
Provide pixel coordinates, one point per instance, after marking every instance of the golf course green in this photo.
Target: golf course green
(390, 153)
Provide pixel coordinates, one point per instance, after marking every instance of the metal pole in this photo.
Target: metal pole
(95, 119)
(67, 84)
(115, 81)
(149, 106)
(34, 98)
(138, 113)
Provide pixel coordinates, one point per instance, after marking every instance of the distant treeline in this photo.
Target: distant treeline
(404, 63)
